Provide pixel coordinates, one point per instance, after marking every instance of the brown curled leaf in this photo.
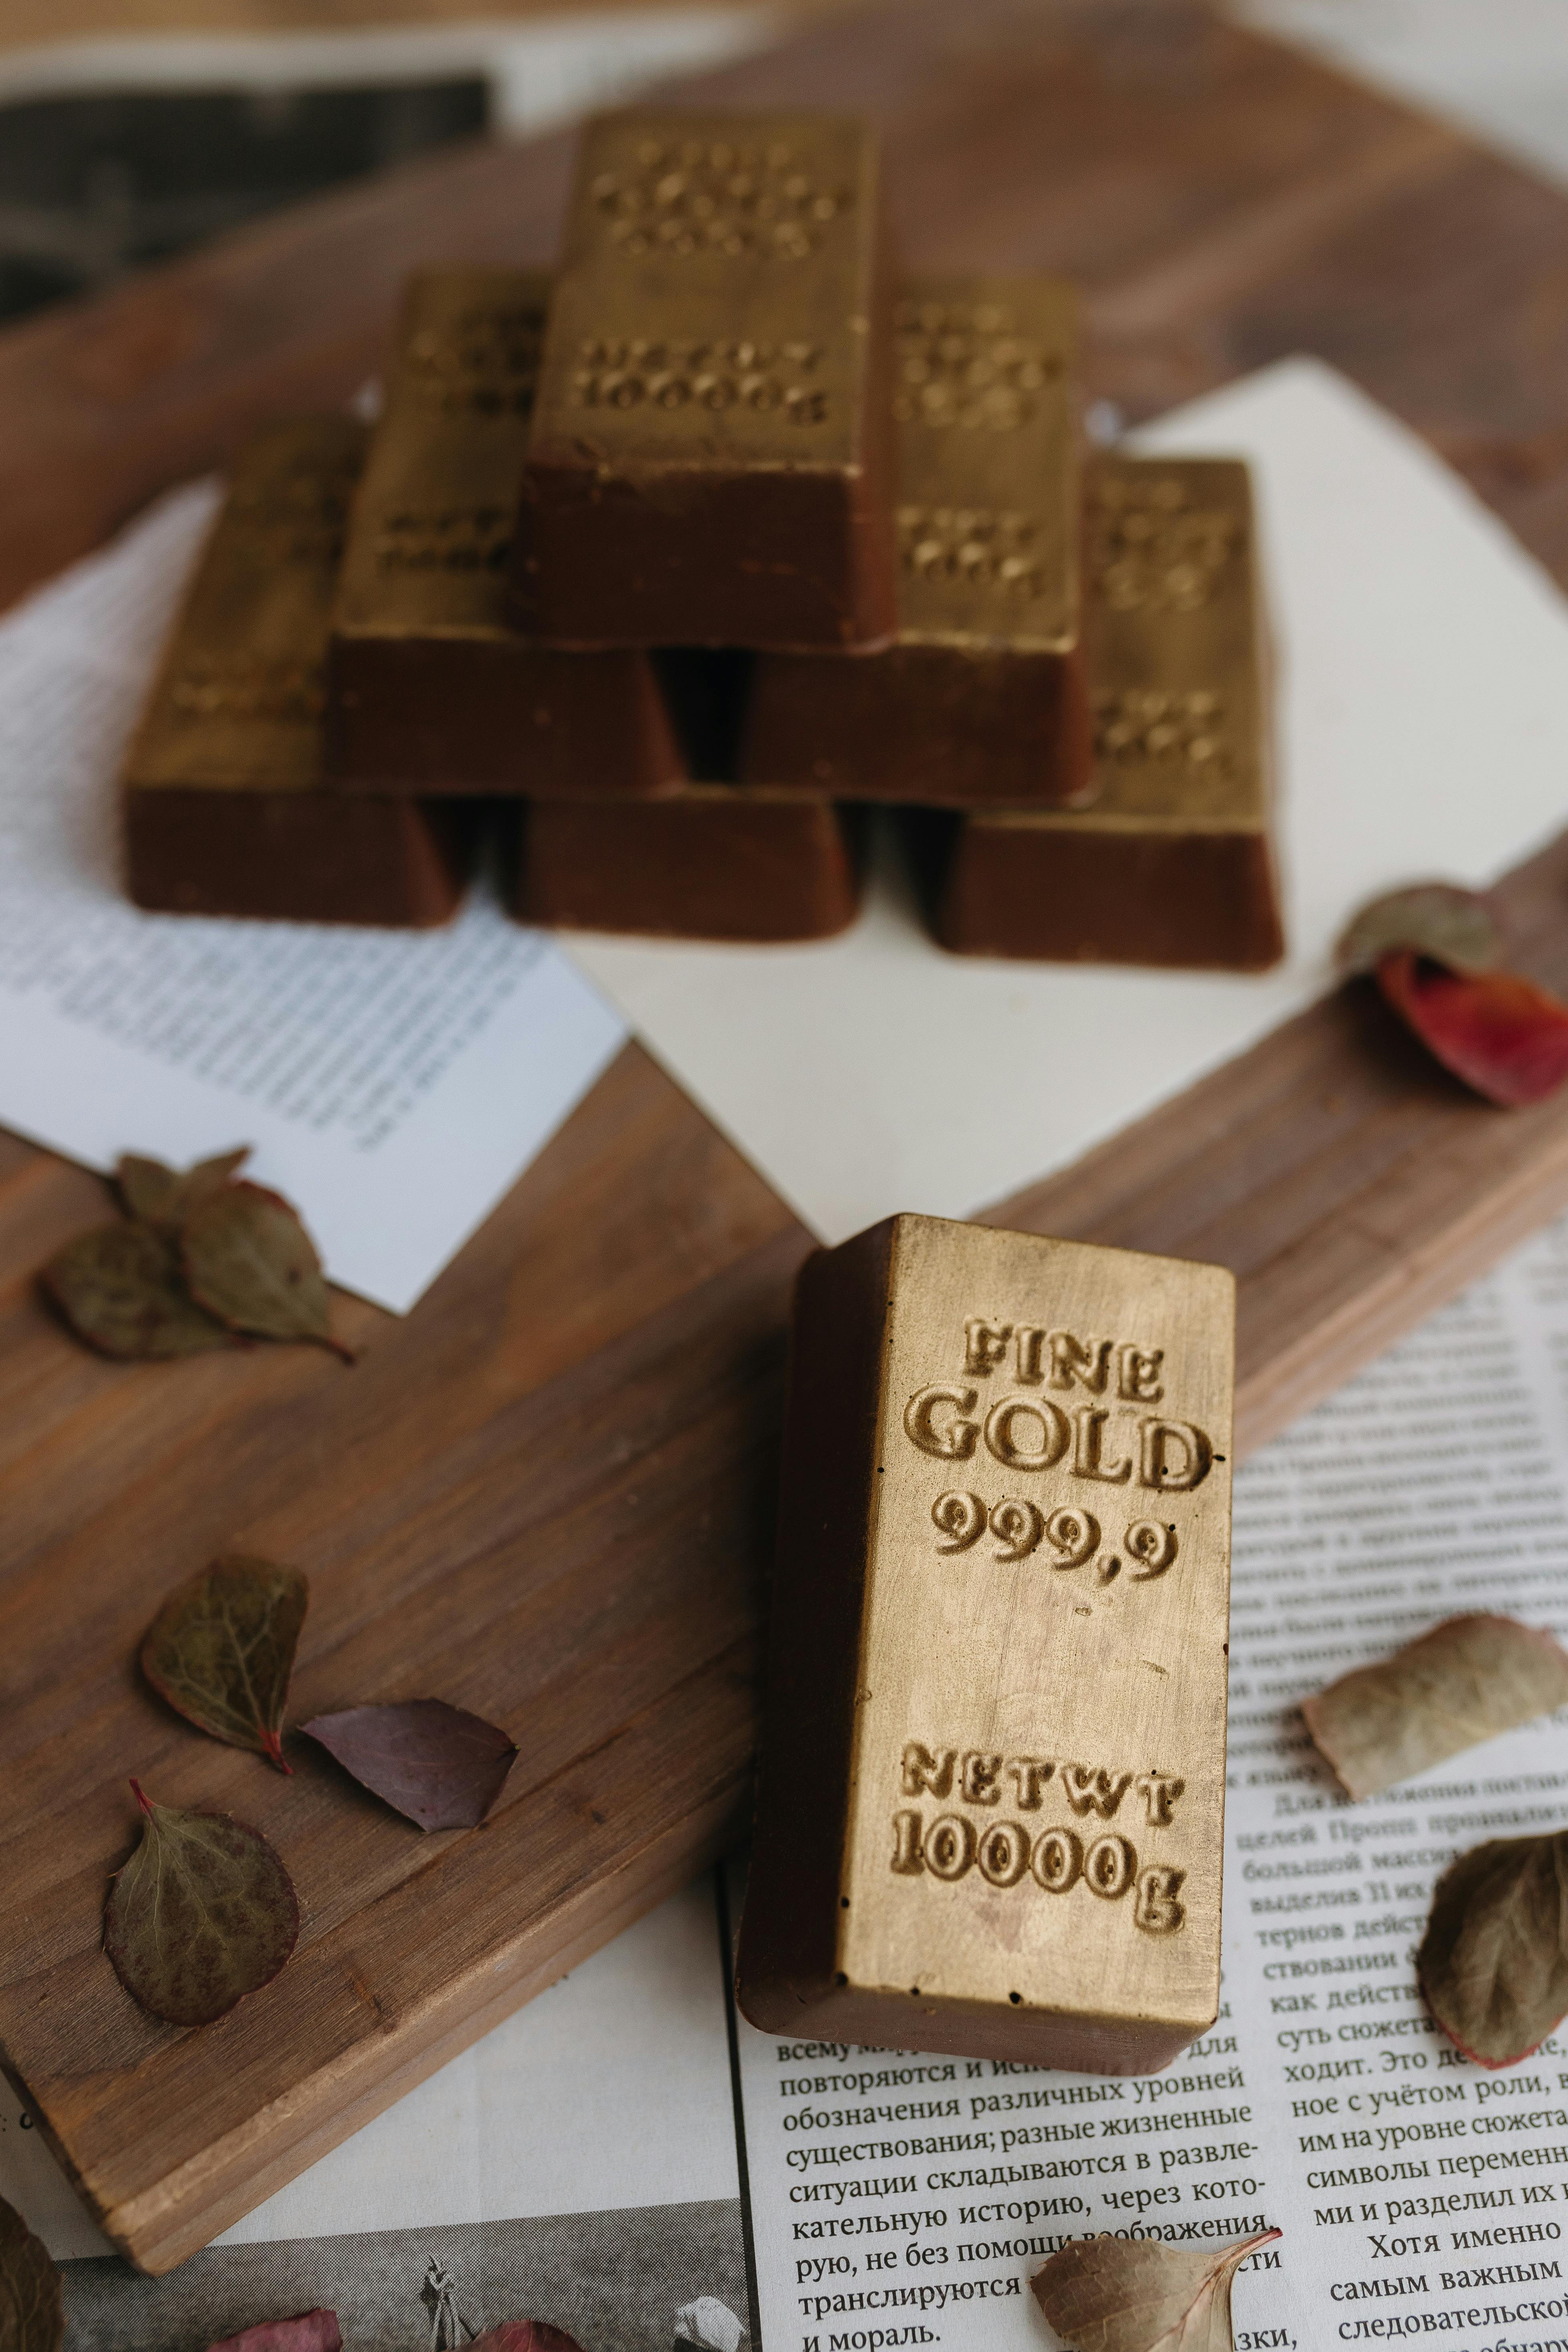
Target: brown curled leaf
(1140, 2294)
(32, 2315)
(249, 1261)
(1493, 1963)
(221, 1650)
(525, 2335)
(158, 1195)
(203, 1913)
(1452, 926)
(438, 1764)
(1464, 1682)
(308, 2331)
(121, 1288)
(1502, 1035)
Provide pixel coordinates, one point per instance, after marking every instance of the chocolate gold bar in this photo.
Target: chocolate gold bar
(431, 689)
(708, 862)
(980, 696)
(223, 808)
(1173, 862)
(708, 463)
(992, 1788)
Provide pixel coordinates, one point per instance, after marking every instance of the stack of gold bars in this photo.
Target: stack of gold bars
(673, 562)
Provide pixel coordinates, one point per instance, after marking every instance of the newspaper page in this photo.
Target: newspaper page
(901, 2199)
(394, 1085)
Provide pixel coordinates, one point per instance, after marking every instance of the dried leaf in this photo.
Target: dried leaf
(1464, 1682)
(311, 2331)
(158, 1195)
(441, 1765)
(250, 1262)
(202, 1914)
(221, 1650)
(525, 2335)
(32, 2317)
(1493, 1963)
(122, 1289)
(1503, 1036)
(1140, 2294)
(1454, 926)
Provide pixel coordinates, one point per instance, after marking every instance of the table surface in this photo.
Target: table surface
(546, 1495)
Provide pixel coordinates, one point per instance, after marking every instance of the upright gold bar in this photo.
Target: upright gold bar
(225, 807)
(993, 1776)
(1173, 860)
(431, 689)
(980, 696)
(709, 459)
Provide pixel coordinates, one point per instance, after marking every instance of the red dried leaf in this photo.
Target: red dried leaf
(1452, 926)
(202, 1914)
(309, 2331)
(438, 1764)
(1503, 1036)
(32, 2317)
(525, 2335)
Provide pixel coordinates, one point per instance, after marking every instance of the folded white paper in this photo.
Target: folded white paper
(394, 1084)
(1423, 724)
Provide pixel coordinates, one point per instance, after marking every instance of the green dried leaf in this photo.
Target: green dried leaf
(249, 1261)
(1464, 1682)
(159, 1195)
(1140, 2294)
(121, 1288)
(202, 1914)
(32, 2317)
(221, 1650)
(1493, 1963)
(1436, 919)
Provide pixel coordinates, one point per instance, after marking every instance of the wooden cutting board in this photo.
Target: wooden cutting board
(547, 1494)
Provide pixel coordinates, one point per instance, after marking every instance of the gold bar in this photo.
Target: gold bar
(223, 803)
(431, 689)
(707, 862)
(1173, 862)
(981, 698)
(992, 1791)
(708, 462)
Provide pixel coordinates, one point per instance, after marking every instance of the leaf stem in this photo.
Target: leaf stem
(142, 1797)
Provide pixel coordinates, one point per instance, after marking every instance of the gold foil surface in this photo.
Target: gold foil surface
(431, 531)
(238, 702)
(713, 304)
(986, 438)
(994, 1766)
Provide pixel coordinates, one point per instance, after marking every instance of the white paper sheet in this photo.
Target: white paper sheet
(394, 1084)
(1423, 729)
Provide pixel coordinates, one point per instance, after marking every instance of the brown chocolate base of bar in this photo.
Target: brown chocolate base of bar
(713, 862)
(295, 856)
(923, 723)
(820, 2011)
(785, 559)
(1004, 885)
(455, 715)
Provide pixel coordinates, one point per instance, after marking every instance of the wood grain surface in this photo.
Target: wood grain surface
(546, 1495)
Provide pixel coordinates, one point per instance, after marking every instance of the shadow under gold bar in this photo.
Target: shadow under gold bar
(980, 699)
(1173, 862)
(990, 1805)
(709, 459)
(223, 803)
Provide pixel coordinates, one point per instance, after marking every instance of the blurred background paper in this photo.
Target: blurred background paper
(1422, 729)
